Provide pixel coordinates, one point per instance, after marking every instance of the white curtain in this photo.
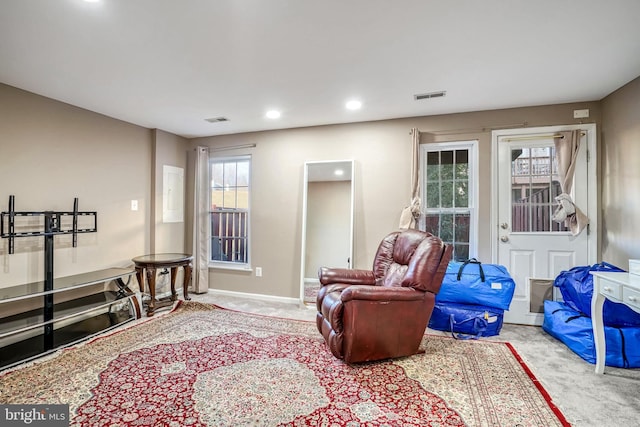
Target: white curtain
(567, 144)
(411, 213)
(201, 222)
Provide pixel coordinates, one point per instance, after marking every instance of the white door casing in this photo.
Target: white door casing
(527, 252)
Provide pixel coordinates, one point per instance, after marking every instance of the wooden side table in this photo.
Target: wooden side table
(150, 263)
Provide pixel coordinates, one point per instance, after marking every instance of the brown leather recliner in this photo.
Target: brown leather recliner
(383, 313)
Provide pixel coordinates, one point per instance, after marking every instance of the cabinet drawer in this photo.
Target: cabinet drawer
(610, 289)
(631, 297)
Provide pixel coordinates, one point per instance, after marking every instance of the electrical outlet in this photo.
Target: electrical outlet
(258, 271)
(134, 205)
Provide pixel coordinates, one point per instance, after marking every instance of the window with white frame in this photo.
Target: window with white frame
(230, 195)
(449, 194)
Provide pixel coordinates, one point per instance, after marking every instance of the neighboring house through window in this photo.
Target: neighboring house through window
(449, 194)
(230, 195)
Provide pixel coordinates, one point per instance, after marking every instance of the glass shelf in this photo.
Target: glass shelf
(35, 289)
(34, 319)
(32, 333)
(79, 320)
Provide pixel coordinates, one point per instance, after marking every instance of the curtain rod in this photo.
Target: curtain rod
(476, 130)
(529, 138)
(231, 147)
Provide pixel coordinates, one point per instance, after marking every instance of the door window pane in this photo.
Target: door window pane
(534, 185)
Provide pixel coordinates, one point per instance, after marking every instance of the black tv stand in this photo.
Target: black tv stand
(43, 327)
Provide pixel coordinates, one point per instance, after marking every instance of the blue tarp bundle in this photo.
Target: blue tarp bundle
(574, 329)
(472, 299)
(576, 287)
(474, 320)
(474, 283)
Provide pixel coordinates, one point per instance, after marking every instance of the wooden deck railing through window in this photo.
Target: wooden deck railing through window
(534, 213)
(229, 228)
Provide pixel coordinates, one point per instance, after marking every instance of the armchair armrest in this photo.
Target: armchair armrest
(345, 275)
(378, 293)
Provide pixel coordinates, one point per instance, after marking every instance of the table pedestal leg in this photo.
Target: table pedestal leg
(140, 277)
(174, 274)
(187, 280)
(151, 281)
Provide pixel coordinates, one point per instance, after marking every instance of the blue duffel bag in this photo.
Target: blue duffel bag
(576, 287)
(466, 321)
(575, 330)
(472, 282)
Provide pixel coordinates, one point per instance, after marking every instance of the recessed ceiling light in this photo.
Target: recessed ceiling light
(92, 1)
(273, 114)
(353, 104)
(338, 172)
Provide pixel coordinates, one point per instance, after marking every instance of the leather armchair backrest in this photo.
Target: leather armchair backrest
(411, 258)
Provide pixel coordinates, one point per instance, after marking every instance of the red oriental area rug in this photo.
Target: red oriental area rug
(205, 366)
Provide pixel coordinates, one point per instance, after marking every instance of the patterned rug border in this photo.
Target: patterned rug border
(538, 385)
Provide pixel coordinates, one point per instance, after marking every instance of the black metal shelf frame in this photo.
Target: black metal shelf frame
(52, 226)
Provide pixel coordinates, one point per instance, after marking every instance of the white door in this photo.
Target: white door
(527, 241)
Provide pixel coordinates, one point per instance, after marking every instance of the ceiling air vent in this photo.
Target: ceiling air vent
(430, 95)
(217, 119)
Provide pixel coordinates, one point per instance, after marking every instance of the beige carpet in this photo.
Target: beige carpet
(205, 366)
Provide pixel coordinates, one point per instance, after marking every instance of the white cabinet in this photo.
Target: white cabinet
(618, 287)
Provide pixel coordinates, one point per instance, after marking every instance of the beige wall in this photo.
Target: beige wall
(620, 161)
(382, 153)
(51, 152)
(168, 150)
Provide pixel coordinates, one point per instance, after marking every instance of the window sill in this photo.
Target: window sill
(225, 266)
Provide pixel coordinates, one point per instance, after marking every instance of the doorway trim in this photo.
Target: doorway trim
(593, 193)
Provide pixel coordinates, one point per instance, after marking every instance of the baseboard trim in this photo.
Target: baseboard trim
(262, 297)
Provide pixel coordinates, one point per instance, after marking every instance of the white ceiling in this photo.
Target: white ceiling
(171, 64)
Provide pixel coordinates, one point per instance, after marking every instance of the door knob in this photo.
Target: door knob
(504, 225)
(504, 239)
